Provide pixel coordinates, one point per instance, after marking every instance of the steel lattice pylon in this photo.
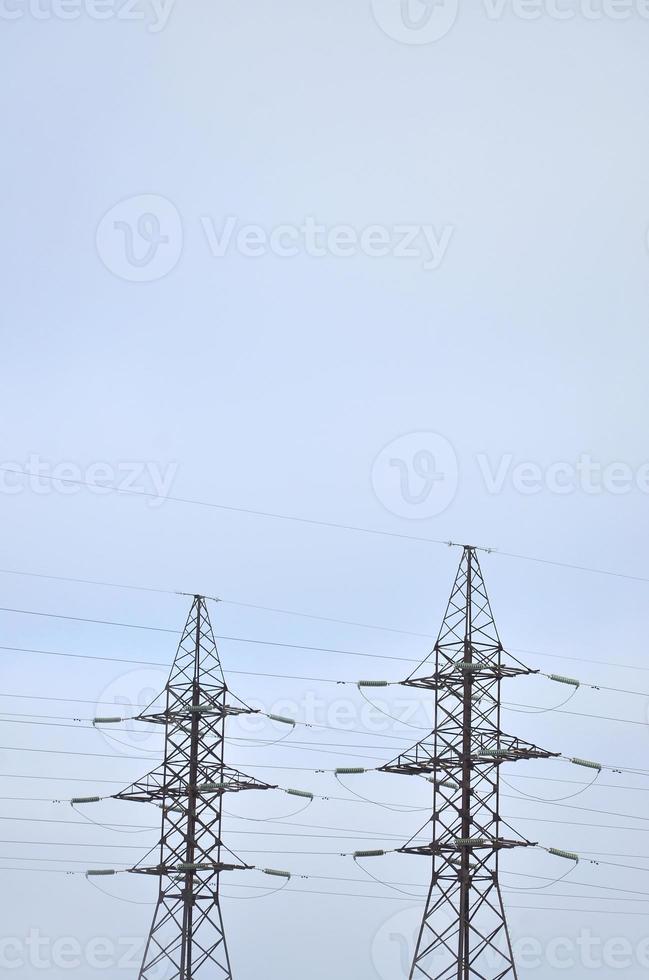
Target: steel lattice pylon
(464, 930)
(187, 939)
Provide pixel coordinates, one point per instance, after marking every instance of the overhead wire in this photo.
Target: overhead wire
(369, 655)
(349, 880)
(313, 522)
(334, 651)
(378, 835)
(388, 898)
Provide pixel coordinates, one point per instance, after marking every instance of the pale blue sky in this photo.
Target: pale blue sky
(274, 383)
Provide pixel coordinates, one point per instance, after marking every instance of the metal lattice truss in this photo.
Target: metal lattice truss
(187, 939)
(464, 931)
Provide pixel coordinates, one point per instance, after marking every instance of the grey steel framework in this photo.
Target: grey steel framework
(464, 930)
(187, 939)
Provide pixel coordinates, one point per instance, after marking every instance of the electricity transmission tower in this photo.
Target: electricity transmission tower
(187, 939)
(464, 933)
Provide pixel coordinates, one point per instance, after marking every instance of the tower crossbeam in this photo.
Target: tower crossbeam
(464, 932)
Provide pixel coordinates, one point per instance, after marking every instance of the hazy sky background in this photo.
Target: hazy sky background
(324, 386)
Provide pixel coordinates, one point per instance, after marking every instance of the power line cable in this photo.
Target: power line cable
(263, 642)
(313, 522)
(339, 894)
(157, 663)
(151, 495)
(511, 705)
(21, 748)
(354, 881)
(255, 739)
(378, 835)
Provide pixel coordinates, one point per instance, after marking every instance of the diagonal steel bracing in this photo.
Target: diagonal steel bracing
(464, 934)
(187, 939)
